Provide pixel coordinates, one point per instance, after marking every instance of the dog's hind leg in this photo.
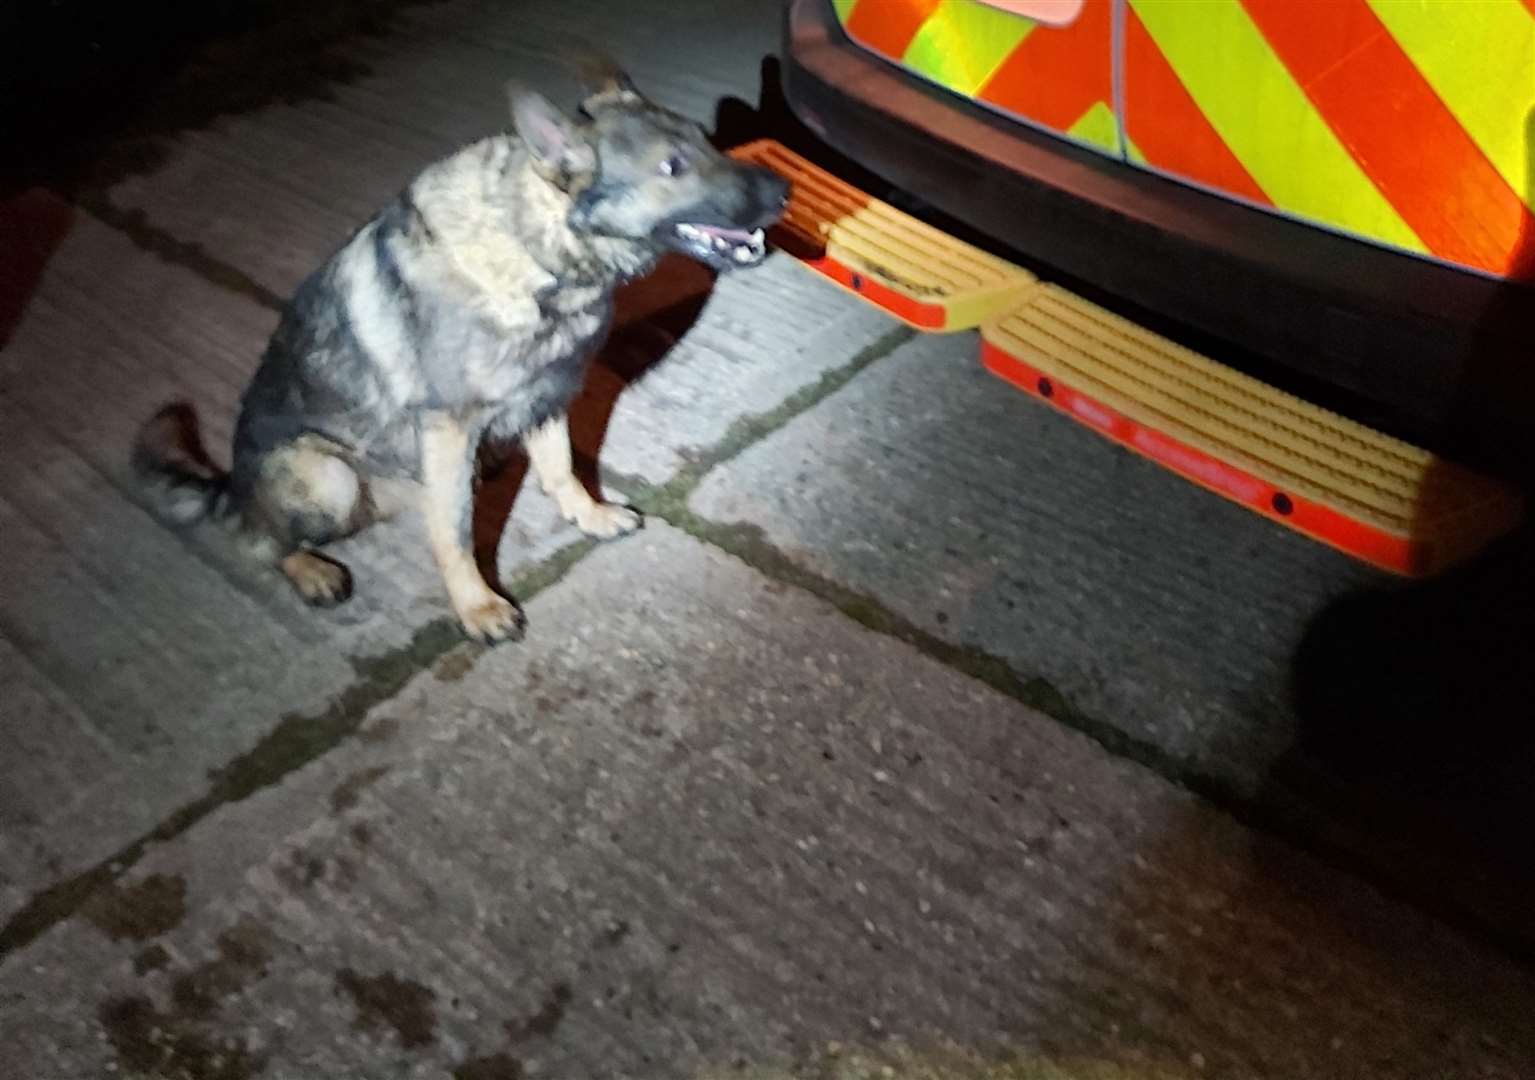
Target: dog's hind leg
(307, 494)
(447, 474)
(549, 452)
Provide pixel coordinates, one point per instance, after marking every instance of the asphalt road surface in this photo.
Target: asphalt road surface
(921, 733)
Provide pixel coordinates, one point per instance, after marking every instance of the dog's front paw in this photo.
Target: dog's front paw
(320, 581)
(493, 620)
(607, 520)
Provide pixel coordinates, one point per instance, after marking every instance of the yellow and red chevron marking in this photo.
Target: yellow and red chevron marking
(1363, 83)
(1063, 77)
(1349, 113)
(1407, 122)
(1173, 129)
(1058, 77)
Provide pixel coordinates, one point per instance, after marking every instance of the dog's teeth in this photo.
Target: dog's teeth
(748, 250)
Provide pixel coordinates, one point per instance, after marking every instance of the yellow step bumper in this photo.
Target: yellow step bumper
(919, 274)
(1377, 498)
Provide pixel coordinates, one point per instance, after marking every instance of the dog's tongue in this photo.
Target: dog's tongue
(735, 236)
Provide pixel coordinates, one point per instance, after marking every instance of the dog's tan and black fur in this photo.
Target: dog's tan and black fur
(465, 311)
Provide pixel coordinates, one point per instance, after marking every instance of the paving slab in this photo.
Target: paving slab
(989, 522)
(700, 821)
(1370, 718)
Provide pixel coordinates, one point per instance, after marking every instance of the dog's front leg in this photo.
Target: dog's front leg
(549, 452)
(447, 473)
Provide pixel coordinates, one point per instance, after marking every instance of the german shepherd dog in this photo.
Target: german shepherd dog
(465, 311)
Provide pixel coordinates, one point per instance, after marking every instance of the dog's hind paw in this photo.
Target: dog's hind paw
(608, 520)
(320, 581)
(493, 620)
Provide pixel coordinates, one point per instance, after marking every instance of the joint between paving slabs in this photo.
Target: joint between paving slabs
(746, 431)
(667, 502)
(297, 741)
(670, 502)
(1283, 816)
(186, 254)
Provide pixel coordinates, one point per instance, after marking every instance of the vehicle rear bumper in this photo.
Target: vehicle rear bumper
(1448, 353)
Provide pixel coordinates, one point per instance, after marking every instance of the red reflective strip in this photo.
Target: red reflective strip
(922, 316)
(887, 26)
(1399, 554)
(1399, 131)
(1167, 125)
(1057, 73)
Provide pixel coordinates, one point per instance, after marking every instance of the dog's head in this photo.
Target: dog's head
(637, 172)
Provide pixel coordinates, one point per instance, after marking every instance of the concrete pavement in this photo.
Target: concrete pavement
(725, 825)
(920, 721)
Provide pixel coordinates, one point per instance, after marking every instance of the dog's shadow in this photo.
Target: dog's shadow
(651, 316)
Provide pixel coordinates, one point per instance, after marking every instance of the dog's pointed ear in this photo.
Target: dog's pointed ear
(560, 154)
(606, 83)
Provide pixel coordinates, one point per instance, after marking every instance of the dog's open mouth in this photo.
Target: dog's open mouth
(732, 246)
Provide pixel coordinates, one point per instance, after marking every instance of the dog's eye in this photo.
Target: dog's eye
(673, 166)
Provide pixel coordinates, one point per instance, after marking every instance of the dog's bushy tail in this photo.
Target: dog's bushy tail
(182, 484)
